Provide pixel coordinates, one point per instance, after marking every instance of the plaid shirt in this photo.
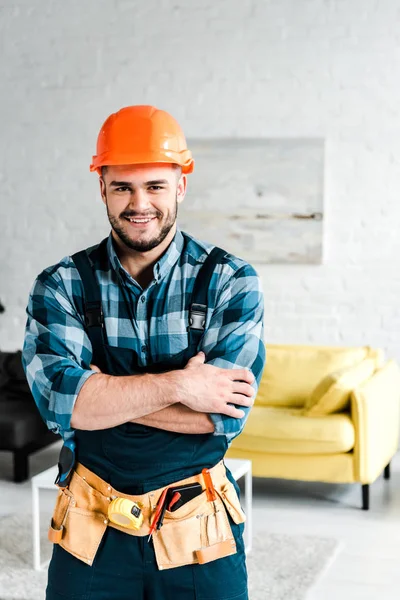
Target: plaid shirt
(57, 351)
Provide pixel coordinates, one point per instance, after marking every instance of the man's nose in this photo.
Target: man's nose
(139, 201)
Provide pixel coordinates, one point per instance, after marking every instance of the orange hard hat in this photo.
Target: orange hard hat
(140, 135)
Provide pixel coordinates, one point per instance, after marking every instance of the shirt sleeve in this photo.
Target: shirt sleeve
(56, 354)
(234, 338)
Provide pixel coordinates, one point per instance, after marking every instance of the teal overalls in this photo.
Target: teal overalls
(135, 459)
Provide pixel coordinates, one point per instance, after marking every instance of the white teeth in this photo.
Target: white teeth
(140, 220)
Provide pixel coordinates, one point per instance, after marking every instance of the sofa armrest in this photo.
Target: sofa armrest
(375, 410)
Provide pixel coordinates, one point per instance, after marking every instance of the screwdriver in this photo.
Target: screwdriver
(210, 489)
(174, 500)
(157, 515)
(176, 496)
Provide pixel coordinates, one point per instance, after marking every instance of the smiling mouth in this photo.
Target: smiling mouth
(139, 220)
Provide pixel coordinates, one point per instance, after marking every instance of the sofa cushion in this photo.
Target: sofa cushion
(292, 372)
(287, 431)
(20, 423)
(332, 394)
(378, 355)
(12, 376)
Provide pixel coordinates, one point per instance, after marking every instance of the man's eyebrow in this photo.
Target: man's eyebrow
(129, 184)
(157, 182)
(121, 183)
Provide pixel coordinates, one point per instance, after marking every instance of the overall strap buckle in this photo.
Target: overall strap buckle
(197, 317)
(94, 314)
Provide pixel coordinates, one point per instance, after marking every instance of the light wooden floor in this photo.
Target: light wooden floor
(367, 564)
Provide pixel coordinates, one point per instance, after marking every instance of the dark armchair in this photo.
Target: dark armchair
(22, 430)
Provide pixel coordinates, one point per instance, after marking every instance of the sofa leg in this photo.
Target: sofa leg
(21, 466)
(386, 472)
(365, 497)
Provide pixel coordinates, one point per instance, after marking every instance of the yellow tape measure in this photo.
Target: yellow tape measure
(126, 513)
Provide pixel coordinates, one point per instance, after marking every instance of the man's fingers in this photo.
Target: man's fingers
(242, 400)
(197, 360)
(94, 368)
(238, 400)
(242, 375)
(231, 411)
(242, 388)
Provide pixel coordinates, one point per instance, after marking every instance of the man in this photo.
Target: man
(146, 352)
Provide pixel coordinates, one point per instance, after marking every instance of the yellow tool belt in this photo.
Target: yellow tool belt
(197, 532)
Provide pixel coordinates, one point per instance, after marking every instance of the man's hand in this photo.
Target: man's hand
(202, 389)
(209, 389)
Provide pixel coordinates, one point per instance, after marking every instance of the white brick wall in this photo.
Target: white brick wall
(224, 68)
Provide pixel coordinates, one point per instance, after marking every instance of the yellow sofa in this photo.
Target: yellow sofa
(326, 414)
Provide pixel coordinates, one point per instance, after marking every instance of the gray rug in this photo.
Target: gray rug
(281, 567)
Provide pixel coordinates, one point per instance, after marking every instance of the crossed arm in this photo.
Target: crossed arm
(205, 397)
(176, 417)
(233, 340)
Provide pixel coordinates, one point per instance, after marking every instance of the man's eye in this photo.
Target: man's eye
(155, 187)
(121, 189)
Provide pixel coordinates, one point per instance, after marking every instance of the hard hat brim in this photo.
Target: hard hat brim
(186, 162)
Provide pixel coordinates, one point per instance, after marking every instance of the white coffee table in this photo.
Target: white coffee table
(45, 480)
(242, 468)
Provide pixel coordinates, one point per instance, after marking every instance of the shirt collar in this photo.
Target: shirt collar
(112, 255)
(162, 266)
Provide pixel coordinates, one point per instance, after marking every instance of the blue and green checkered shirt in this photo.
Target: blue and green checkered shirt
(57, 351)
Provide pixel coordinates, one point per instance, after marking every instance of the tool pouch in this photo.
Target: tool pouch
(79, 530)
(59, 515)
(199, 531)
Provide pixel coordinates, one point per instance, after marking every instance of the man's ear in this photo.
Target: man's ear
(181, 189)
(103, 190)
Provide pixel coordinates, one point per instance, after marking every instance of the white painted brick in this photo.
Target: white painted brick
(227, 68)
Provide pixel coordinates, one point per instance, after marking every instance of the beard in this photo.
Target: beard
(143, 245)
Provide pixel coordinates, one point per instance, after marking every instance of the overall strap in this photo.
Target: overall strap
(198, 307)
(93, 314)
